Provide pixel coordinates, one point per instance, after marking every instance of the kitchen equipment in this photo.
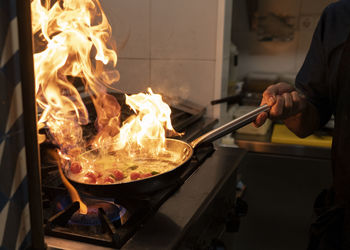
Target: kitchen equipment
(198, 206)
(143, 187)
(281, 134)
(63, 231)
(250, 128)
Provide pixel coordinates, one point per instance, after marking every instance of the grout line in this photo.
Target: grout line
(150, 43)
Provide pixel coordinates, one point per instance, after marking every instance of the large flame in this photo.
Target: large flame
(70, 42)
(71, 39)
(150, 124)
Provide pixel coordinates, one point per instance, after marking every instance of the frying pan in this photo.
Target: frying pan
(144, 187)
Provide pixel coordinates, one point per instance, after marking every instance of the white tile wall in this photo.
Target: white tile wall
(227, 29)
(183, 29)
(134, 75)
(189, 79)
(130, 26)
(170, 46)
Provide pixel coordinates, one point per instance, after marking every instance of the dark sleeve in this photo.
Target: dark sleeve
(312, 79)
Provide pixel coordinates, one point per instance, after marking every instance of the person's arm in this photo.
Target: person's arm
(287, 104)
(304, 123)
(309, 107)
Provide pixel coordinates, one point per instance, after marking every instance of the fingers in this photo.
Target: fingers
(284, 101)
(284, 88)
(277, 89)
(277, 109)
(260, 119)
(269, 94)
(271, 101)
(298, 103)
(269, 98)
(288, 102)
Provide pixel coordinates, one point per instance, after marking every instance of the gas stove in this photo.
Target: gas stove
(192, 214)
(120, 223)
(109, 222)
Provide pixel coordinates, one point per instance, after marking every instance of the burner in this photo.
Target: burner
(114, 212)
(112, 222)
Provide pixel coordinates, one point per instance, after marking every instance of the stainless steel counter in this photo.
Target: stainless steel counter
(262, 144)
(176, 216)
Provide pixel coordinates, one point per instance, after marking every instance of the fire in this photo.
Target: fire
(72, 44)
(149, 124)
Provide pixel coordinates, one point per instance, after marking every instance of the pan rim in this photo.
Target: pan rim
(188, 157)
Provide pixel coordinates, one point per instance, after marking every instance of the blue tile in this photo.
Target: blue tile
(11, 70)
(5, 99)
(9, 78)
(7, 13)
(20, 197)
(2, 134)
(26, 242)
(13, 145)
(3, 200)
(13, 222)
(13, 140)
(9, 7)
(4, 26)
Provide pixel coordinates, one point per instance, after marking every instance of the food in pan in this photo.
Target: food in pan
(111, 168)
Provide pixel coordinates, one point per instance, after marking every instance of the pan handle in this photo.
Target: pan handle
(230, 126)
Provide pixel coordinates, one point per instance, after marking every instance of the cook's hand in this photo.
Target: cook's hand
(284, 101)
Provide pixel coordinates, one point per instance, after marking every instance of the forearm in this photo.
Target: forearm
(305, 122)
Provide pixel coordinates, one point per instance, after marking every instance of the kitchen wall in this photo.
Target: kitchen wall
(176, 47)
(15, 225)
(275, 56)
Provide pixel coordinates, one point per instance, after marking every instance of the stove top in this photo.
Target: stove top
(109, 222)
(187, 217)
(171, 213)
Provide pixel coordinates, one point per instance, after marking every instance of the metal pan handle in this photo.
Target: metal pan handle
(230, 126)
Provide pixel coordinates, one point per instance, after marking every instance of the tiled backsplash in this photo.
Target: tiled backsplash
(130, 21)
(185, 78)
(169, 45)
(274, 56)
(183, 29)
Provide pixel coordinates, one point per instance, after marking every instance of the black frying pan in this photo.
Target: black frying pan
(147, 186)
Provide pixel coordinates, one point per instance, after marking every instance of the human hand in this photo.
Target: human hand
(284, 101)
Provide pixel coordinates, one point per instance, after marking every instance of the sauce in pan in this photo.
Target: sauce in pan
(94, 168)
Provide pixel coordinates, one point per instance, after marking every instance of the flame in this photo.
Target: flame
(83, 209)
(151, 122)
(70, 42)
(72, 45)
(144, 132)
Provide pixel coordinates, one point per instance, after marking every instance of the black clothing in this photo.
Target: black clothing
(325, 80)
(331, 230)
(319, 79)
(327, 231)
(317, 76)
